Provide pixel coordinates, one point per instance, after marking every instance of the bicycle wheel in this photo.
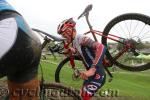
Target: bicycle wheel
(134, 27)
(64, 72)
(56, 91)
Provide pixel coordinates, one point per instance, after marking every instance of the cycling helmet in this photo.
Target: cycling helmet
(66, 24)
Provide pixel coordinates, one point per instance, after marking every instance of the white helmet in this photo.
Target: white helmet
(65, 24)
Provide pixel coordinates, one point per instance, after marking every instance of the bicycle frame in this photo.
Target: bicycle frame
(114, 38)
(101, 34)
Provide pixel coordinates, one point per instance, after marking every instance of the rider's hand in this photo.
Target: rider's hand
(84, 75)
(66, 51)
(90, 72)
(69, 51)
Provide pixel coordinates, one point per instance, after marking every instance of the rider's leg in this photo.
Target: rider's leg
(85, 95)
(91, 86)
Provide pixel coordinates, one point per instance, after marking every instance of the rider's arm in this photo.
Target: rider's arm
(98, 50)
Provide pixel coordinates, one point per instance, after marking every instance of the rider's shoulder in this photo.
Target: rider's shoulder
(4, 5)
(80, 36)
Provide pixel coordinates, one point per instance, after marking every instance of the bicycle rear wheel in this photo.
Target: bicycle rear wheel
(134, 27)
(56, 91)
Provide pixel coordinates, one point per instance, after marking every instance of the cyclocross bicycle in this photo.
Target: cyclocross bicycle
(127, 38)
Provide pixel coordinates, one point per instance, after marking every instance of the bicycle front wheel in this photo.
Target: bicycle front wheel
(56, 91)
(64, 72)
(134, 27)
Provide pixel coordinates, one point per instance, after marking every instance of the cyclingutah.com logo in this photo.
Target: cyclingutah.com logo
(55, 93)
(108, 93)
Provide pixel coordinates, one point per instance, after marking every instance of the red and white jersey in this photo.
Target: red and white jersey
(92, 52)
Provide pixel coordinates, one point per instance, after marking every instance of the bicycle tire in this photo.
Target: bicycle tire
(129, 16)
(61, 65)
(61, 89)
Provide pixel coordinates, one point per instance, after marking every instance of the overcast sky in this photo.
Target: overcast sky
(47, 14)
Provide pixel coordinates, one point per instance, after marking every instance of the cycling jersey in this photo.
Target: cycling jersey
(92, 53)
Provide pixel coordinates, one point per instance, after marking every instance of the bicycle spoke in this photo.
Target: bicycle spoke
(135, 27)
(141, 30)
(127, 28)
(143, 37)
(116, 32)
(123, 30)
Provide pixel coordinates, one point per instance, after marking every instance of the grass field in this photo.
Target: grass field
(125, 85)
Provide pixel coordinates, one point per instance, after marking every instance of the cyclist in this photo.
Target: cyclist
(92, 53)
(20, 52)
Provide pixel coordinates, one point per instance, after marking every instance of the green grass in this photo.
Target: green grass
(130, 85)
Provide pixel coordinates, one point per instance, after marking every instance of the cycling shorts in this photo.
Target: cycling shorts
(95, 82)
